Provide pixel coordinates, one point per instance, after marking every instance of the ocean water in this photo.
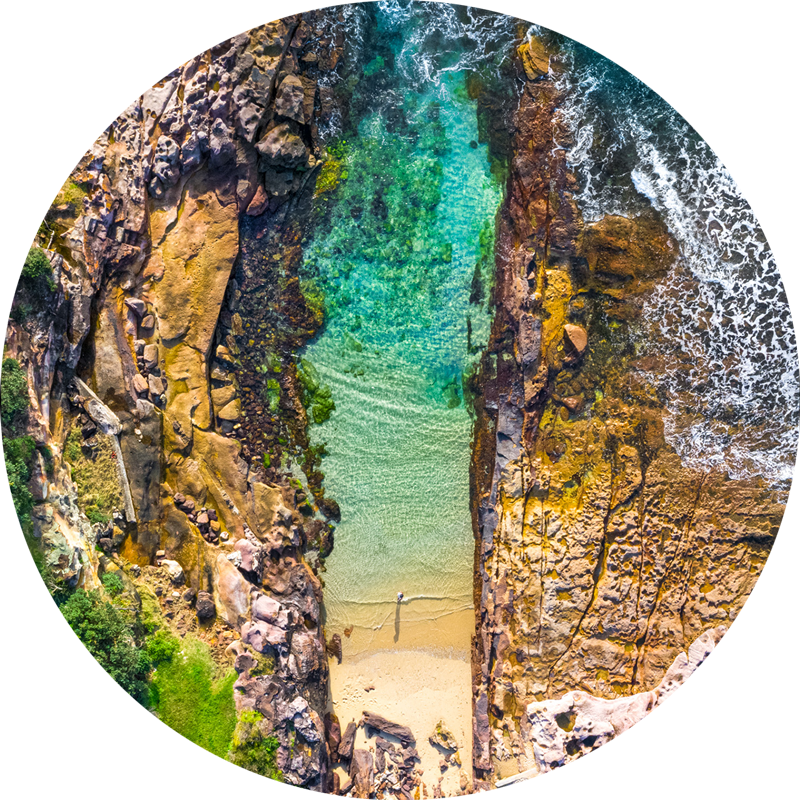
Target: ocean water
(720, 323)
(395, 259)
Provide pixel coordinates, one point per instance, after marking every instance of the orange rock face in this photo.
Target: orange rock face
(600, 557)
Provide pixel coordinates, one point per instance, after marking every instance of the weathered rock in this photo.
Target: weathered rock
(175, 571)
(442, 737)
(576, 336)
(378, 722)
(333, 733)
(140, 384)
(137, 306)
(362, 773)
(280, 147)
(700, 732)
(634, 553)
(334, 647)
(259, 202)
(289, 101)
(205, 607)
(348, 739)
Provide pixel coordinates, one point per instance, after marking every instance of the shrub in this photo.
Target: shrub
(13, 392)
(19, 458)
(113, 584)
(251, 749)
(162, 646)
(37, 275)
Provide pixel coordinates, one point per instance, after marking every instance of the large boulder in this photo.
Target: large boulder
(289, 102)
(383, 725)
(362, 773)
(282, 148)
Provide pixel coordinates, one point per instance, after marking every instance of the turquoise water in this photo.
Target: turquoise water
(396, 260)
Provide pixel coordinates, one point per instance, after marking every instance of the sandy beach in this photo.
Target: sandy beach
(414, 669)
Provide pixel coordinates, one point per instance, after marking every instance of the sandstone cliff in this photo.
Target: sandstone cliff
(175, 317)
(600, 557)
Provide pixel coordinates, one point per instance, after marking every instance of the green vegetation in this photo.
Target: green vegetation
(191, 697)
(316, 398)
(252, 747)
(24, 267)
(95, 476)
(333, 169)
(113, 584)
(18, 448)
(71, 195)
(75, 714)
(162, 647)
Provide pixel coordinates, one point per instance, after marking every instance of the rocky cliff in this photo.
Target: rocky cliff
(600, 557)
(173, 318)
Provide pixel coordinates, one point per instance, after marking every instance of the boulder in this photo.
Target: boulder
(150, 355)
(265, 608)
(334, 647)
(282, 148)
(12, 101)
(362, 773)
(307, 651)
(382, 724)
(289, 100)
(205, 607)
(348, 738)
(247, 550)
(261, 635)
(442, 737)
(259, 202)
(137, 306)
(140, 385)
(233, 592)
(333, 733)
(175, 571)
(576, 337)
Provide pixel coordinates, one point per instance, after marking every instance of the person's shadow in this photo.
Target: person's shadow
(397, 622)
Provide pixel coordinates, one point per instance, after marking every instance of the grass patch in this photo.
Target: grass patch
(95, 476)
(252, 749)
(188, 695)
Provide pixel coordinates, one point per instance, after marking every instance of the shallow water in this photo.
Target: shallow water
(395, 261)
(720, 323)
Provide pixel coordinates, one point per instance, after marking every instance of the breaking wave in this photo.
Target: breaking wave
(720, 323)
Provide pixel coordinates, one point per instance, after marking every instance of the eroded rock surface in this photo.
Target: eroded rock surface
(143, 340)
(720, 721)
(601, 557)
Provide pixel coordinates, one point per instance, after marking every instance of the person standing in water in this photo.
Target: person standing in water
(399, 597)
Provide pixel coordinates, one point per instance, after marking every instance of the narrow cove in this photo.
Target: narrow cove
(402, 259)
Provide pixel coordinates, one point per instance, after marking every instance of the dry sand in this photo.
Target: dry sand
(418, 662)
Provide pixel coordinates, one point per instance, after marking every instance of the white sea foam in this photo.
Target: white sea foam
(720, 321)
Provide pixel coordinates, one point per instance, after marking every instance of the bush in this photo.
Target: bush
(16, 500)
(162, 646)
(13, 392)
(37, 277)
(76, 716)
(251, 749)
(189, 697)
(113, 584)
